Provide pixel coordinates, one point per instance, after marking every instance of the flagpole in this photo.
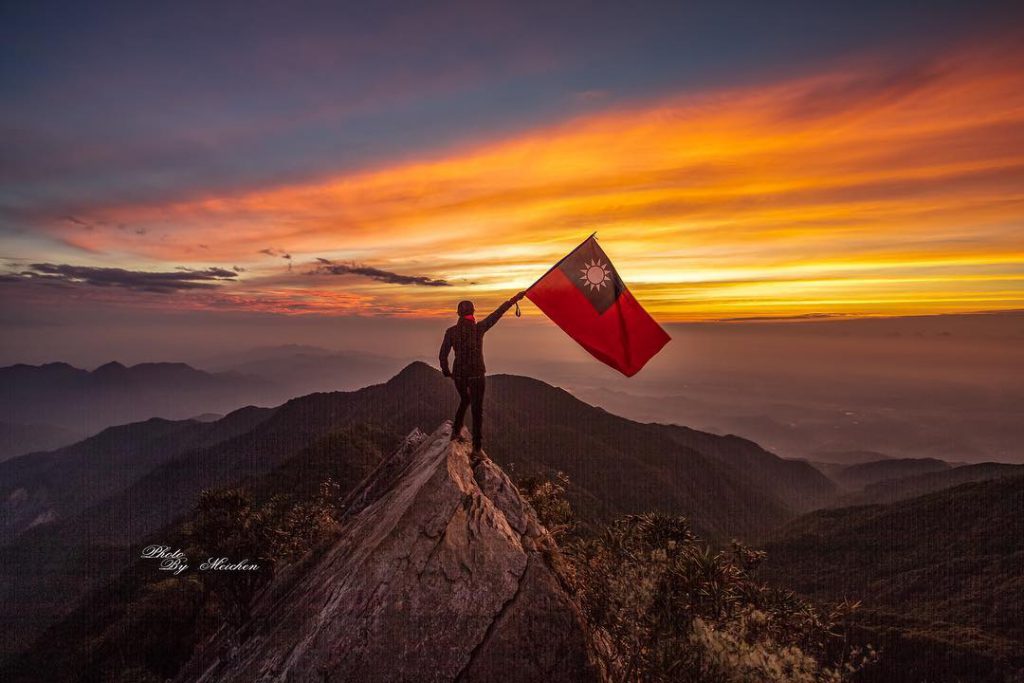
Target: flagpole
(559, 262)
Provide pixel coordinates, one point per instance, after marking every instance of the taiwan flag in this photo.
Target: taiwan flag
(584, 295)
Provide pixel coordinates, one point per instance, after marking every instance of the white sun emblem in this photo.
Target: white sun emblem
(595, 275)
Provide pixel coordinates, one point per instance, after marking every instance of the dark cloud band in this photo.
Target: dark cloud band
(138, 280)
(331, 268)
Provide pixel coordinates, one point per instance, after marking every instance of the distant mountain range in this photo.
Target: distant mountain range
(894, 479)
(84, 402)
(941, 577)
(48, 406)
(848, 457)
(713, 476)
(856, 476)
(892, 490)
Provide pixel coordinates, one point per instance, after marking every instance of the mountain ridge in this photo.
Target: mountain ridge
(88, 401)
(439, 567)
(939, 576)
(860, 475)
(893, 490)
(615, 465)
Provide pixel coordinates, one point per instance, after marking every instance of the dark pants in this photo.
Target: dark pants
(471, 393)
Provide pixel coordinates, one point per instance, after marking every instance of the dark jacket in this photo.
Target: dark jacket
(467, 338)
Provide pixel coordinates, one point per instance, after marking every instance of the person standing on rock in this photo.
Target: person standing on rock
(466, 337)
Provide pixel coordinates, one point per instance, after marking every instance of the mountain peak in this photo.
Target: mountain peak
(439, 571)
(416, 375)
(416, 369)
(112, 366)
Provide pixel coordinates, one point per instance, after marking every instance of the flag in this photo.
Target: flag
(584, 295)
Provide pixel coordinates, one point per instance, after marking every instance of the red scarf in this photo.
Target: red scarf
(469, 317)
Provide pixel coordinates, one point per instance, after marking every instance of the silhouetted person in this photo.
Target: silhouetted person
(467, 338)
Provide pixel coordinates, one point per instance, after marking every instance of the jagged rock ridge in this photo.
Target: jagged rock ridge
(440, 572)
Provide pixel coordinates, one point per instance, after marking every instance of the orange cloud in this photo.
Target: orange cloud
(869, 191)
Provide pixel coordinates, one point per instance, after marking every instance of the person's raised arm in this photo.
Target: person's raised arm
(494, 317)
(446, 347)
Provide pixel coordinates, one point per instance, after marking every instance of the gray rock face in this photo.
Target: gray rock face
(439, 574)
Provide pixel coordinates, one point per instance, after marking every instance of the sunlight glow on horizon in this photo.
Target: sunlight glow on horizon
(856, 193)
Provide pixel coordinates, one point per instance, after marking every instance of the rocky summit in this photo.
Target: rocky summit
(440, 571)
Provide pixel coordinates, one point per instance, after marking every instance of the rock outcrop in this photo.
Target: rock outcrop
(440, 572)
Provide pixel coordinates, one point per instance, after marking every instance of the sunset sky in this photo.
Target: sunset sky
(738, 160)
